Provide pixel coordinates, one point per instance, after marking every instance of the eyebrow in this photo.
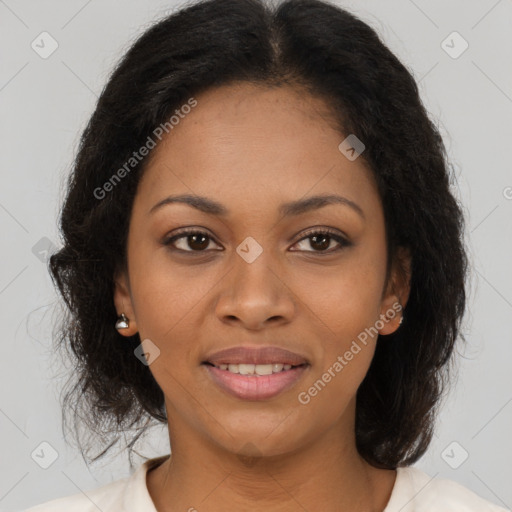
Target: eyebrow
(292, 208)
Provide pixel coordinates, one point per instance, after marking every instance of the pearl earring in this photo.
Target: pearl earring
(122, 322)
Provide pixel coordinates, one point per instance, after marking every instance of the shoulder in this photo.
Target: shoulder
(124, 495)
(105, 498)
(415, 491)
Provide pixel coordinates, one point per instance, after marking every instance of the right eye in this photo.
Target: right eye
(196, 241)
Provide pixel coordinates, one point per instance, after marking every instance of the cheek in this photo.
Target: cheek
(163, 292)
(347, 346)
(166, 304)
(346, 299)
(344, 304)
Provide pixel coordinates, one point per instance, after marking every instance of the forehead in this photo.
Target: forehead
(250, 143)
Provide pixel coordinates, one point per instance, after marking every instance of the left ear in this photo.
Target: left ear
(397, 291)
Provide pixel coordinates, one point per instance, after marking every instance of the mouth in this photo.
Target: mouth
(255, 373)
(256, 370)
(255, 355)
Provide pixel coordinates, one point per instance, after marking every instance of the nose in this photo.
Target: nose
(255, 295)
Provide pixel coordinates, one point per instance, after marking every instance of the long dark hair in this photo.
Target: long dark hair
(331, 54)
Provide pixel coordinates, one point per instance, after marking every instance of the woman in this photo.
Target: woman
(261, 250)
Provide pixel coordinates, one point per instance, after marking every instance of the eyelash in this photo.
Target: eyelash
(310, 234)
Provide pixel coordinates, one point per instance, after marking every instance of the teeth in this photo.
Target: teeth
(246, 369)
(263, 369)
(255, 369)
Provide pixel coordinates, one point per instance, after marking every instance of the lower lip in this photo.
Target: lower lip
(255, 387)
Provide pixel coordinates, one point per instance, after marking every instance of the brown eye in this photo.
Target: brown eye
(189, 241)
(320, 241)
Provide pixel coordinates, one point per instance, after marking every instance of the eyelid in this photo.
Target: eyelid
(322, 229)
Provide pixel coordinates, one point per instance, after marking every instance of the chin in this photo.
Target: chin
(267, 437)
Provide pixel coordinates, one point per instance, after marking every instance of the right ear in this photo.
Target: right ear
(123, 302)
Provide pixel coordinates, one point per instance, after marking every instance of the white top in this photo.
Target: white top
(414, 491)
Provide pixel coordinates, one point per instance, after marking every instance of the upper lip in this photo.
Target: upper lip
(259, 355)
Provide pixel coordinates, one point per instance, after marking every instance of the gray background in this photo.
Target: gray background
(44, 105)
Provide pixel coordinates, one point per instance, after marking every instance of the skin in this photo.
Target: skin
(253, 148)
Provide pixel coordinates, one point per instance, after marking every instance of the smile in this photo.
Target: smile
(255, 381)
(255, 369)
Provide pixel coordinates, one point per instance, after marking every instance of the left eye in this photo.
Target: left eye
(321, 240)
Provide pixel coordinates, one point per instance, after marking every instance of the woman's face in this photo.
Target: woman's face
(257, 277)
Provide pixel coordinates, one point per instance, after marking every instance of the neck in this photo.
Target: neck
(327, 474)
